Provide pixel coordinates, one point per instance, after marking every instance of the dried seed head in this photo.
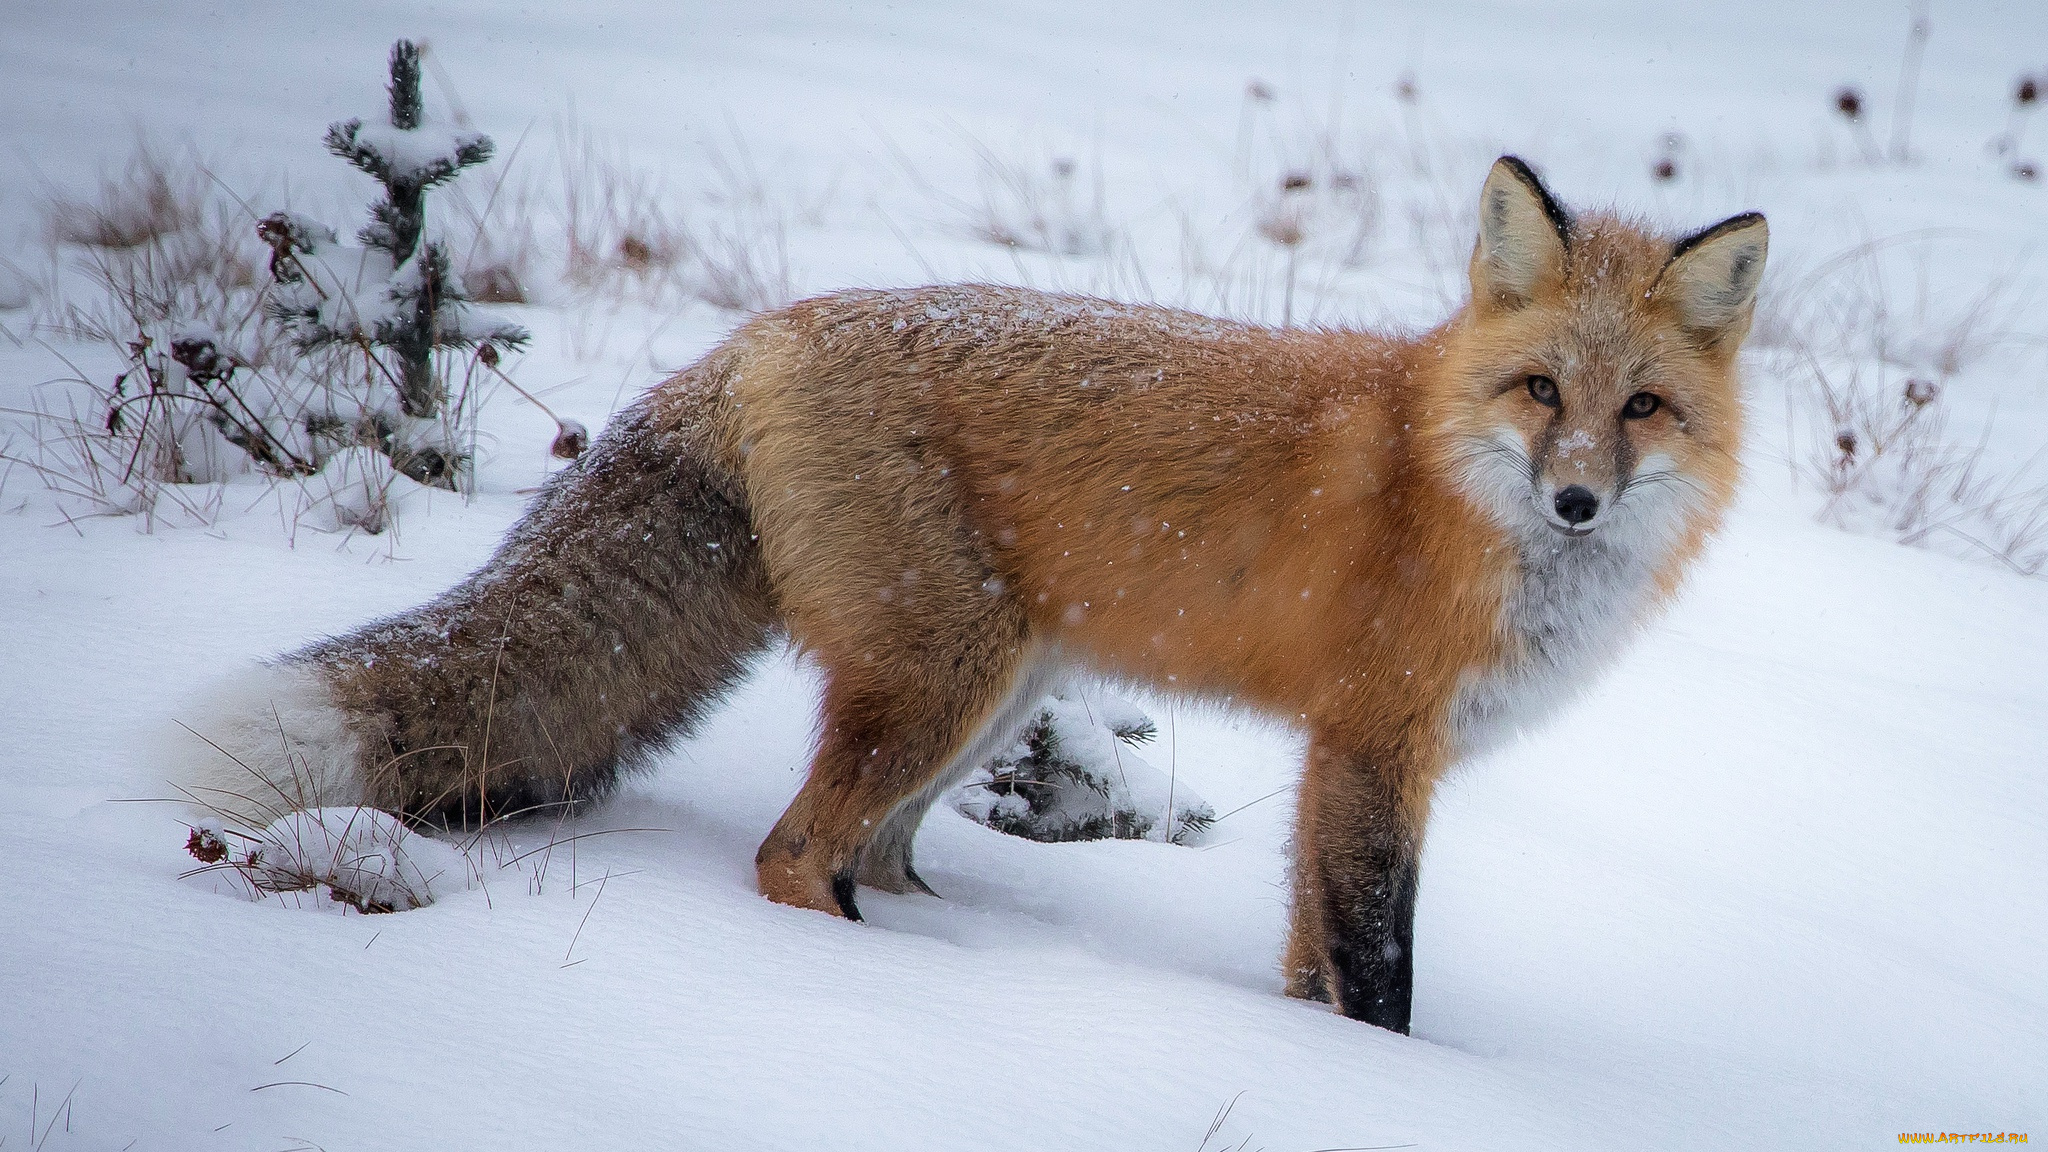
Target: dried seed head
(1665, 169)
(488, 353)
(1260, 91)
(1063, 168)
(636, 253)
(1849, 102)
(2027, 93)
(1404, 88)
(206, 845)
(1845, 442)
(1921, 393)
(1283, 228)
(494, 284)
(202, 358)
(286, 232)
(1296, 181)
(2026, 170)
(571, 440)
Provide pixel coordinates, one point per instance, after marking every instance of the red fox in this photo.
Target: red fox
(1406, 546)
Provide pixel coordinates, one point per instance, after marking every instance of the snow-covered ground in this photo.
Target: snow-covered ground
(1778, 882)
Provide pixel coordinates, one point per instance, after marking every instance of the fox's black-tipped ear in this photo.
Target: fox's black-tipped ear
(1712, 276)
(1523, 234)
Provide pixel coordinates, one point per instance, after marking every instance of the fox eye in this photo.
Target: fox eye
(1543, 390)
(1640, 405)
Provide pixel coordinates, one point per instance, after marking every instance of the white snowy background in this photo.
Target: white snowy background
(1780, 881)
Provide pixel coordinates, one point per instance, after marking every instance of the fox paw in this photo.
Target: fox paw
(788, 875)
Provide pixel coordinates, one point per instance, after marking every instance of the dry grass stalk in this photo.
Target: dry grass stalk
(1039, 207)
(619, 224)
(1879, 367)
(625, 236)
(156, 194)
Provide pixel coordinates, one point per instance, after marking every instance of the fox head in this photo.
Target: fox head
(1594, 369)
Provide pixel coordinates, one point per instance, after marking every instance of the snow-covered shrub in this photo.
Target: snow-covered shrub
(269, 346)
(181, 284)
(368, 860)
(396, 298)
(361, 857)
(1071, 775)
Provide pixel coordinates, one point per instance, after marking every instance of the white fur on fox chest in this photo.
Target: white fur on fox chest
(1577, 602)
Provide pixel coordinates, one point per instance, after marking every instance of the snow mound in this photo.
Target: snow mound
(364, 856)
(360, 488)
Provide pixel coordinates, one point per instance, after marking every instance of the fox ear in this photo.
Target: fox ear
(1712, 276)
(1523, 234)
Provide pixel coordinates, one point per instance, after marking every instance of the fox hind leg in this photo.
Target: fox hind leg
(892, 728)
(885, 863)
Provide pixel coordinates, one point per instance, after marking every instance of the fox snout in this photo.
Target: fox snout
(1574, 509)
(1576, 478)
(1576, 505)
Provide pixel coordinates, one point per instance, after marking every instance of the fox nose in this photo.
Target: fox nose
(1577, 504)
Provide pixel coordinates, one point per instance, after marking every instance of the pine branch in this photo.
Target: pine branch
(405, 85)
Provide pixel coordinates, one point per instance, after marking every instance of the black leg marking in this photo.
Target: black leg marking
(1372, 953)
(917, 881)
(842, 891)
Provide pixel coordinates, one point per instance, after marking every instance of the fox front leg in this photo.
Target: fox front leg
(1358, 847)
